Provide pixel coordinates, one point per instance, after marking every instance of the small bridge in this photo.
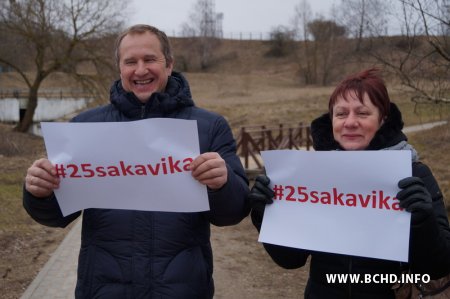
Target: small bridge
(251, 140)
(53, 104)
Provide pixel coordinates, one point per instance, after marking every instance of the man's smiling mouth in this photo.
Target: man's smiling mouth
(143, 81)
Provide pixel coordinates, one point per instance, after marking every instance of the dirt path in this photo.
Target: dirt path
(422, 127)
(242, 268)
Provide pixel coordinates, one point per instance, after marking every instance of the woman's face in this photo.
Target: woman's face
(355, 123)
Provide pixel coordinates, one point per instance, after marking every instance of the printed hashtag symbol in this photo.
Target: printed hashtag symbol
(60, 171)
(278, 191)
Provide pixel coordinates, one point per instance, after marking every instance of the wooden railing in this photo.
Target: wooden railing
(251, 140)
(61, 93)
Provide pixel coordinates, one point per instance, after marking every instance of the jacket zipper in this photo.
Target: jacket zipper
(142, 111)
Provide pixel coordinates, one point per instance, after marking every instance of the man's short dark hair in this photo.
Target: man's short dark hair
(141, 29)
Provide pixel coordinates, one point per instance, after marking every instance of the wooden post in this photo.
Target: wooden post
(244, 144)
(308, 138)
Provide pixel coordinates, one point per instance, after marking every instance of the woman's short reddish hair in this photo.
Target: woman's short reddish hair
(365, 82)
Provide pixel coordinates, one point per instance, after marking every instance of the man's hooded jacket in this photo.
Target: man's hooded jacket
(141, 254)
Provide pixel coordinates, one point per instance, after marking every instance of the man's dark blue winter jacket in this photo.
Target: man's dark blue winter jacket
(138, 254)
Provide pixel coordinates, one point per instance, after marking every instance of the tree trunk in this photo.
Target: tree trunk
(27, 120)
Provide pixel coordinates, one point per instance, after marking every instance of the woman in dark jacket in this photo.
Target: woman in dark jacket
(142, 254)
(362, 117)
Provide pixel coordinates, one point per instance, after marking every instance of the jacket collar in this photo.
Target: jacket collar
(176, 96)
(389, 134)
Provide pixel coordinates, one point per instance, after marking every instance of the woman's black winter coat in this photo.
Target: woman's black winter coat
(429, 241)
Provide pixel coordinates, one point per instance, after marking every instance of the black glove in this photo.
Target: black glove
(259, 196)
(415, 198)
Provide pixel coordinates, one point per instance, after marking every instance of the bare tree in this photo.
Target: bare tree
(48, 36)
(205, 29)
(307, 61)
(363, 18)
(326, 33)
(420, 57)
(317, 40)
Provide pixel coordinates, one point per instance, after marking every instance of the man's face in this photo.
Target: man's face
(142, 65)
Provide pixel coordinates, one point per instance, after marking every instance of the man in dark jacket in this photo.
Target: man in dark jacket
(141, 254)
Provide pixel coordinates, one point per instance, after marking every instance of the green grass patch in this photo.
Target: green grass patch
(12, 214)
(12, 178)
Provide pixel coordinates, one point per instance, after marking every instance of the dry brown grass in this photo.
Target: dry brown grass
(246, 99)
(249, 89)
(255, 99)
(434, 150)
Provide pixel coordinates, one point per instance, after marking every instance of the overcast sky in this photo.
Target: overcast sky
(258, 16)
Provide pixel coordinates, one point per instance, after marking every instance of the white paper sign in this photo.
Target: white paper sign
(138, 165)
(338, 201)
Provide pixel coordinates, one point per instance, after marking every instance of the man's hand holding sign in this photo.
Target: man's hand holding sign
(41, 178)
(210, 170)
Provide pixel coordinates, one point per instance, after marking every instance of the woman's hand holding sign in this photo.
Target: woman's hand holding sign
(260, 195)
(415, 198)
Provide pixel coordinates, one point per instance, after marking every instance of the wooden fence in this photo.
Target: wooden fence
(251, 140)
